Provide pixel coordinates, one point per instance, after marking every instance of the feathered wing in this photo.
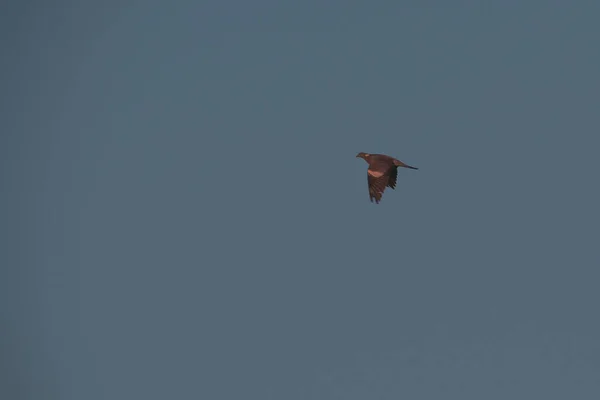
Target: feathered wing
(377, 185)
(393, 175)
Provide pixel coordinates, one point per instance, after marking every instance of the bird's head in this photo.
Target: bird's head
(362, 155)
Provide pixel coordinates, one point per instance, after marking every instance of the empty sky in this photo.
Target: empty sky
(185, 217)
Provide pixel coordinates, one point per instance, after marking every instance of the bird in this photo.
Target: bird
(382, 173)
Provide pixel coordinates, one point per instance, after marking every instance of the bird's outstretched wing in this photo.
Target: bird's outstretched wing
(378, 180)
(393, 175)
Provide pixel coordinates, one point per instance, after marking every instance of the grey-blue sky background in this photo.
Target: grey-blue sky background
(184, 216)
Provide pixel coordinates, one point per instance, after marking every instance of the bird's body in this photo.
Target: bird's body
(382, 173)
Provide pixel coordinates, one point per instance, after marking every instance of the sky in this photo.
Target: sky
(184, 215)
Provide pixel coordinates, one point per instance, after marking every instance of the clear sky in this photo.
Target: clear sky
(185, 218)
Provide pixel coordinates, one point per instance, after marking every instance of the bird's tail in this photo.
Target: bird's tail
(401, 164)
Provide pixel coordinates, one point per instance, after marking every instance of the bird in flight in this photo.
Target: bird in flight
(382, 173)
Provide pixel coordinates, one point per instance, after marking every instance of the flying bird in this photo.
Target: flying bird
(382, 173)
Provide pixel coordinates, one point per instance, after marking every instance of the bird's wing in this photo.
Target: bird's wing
(393, 176)
(378, 180)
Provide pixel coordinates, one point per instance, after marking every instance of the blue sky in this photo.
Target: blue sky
(186, 217)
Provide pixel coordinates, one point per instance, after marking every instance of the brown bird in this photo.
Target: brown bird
(382, 173)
